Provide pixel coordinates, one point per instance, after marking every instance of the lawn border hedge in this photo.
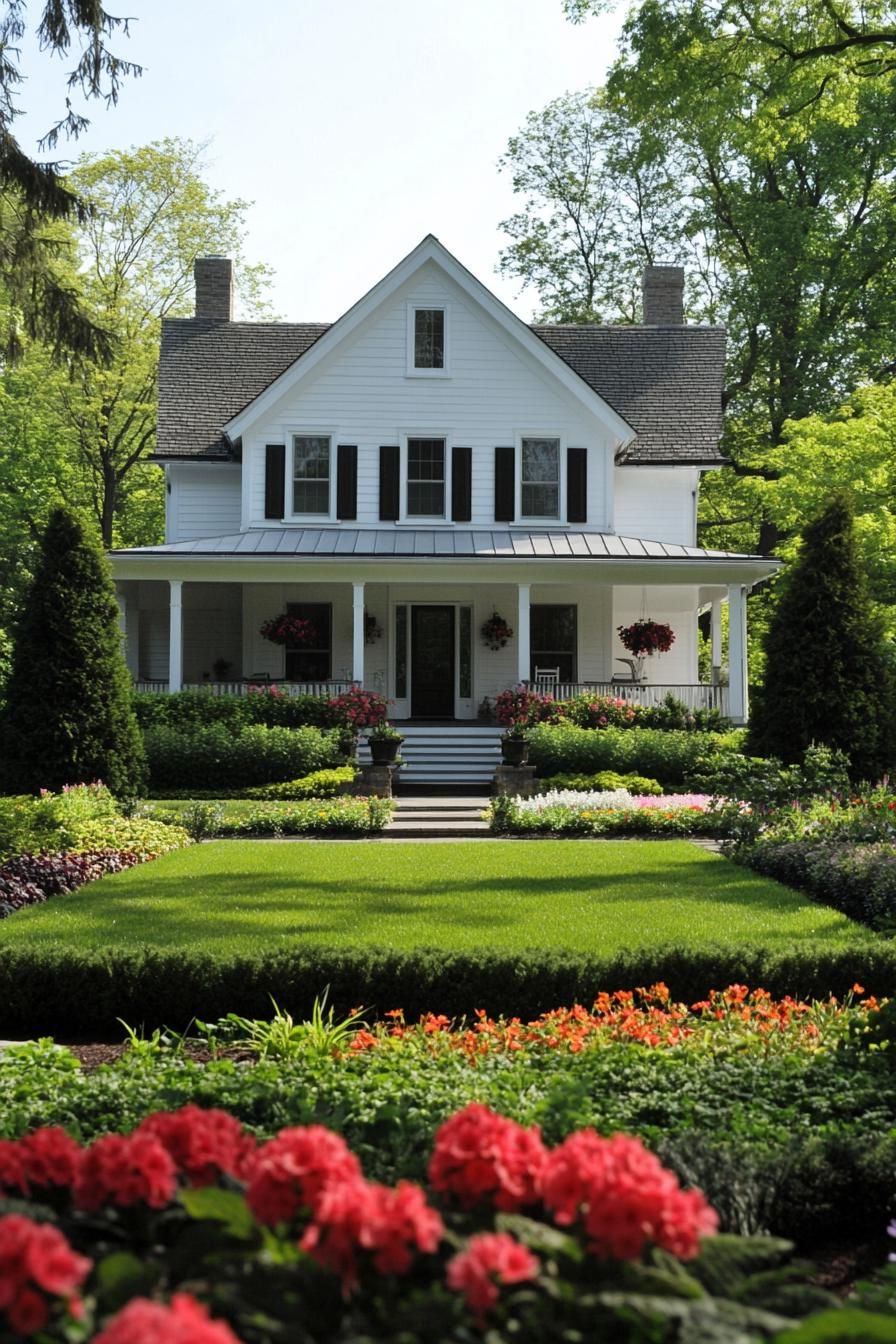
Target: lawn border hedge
(70, 995)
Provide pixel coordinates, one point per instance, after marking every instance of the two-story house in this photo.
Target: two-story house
(425, 462)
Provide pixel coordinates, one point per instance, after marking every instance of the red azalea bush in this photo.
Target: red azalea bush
(357, 709)
(521, 705)
(646, 637)
(315, 1213)
(288, 630)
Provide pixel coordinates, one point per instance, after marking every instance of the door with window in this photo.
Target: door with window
(432, 662)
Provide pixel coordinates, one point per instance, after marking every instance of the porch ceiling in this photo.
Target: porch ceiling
(439, 555)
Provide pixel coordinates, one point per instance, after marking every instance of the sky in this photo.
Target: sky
(355, 128)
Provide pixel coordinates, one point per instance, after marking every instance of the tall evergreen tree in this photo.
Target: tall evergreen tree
(829, 676)
(68, 717)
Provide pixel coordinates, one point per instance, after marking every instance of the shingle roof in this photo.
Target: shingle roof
(665, 381)
(466, 542)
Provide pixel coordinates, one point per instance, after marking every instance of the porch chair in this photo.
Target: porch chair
(547, 678)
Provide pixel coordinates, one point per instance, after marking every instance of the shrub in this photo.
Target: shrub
(32, 878)
(319, 784)
(68, 714)
(828, 675)
(601, 711)
(214, 755)
(357, 709)
(267, 705)
(859, 879)
(605, 779)
(602, 814)
(666, 756)
(526, 707)
(317, 816)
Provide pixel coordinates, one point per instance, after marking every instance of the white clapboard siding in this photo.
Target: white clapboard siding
(658, 504)
(204, 500)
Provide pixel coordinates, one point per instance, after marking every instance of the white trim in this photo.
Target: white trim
(411, 370)
(289, 514)
(539, 520)
(430, 249)
(422, 519)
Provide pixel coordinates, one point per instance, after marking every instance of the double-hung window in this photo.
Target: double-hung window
(540, 478)
(427, 342)
(311, 473)
(426, 478)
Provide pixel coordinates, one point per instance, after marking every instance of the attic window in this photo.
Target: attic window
(427, 341)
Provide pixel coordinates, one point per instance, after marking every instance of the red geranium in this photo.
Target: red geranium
(124, 1171)
(201, 1143)
(623, 1197)
(490, 1258)
(480, 1155)
(291, 1172)
(186, 1321)
(36, 1259)
(362, 1215)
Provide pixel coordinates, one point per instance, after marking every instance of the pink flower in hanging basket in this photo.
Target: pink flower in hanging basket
(290, 630)
(646, 637)
(496, 632)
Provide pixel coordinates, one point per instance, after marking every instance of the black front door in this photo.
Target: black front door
(432, 662)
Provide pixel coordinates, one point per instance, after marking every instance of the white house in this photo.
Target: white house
(429, 460)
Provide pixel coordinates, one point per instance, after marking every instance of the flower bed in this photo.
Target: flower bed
(511, 1234)
(612, 812)
(315, 816)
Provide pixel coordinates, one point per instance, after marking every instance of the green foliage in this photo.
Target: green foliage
(196, 709)
(319, 784)
(214, 755)
(829, 678)
(507, 819)
(68, 717)
(766, 784)
(282, 1037)
(313, 816)
(57, 988)
(603, 780)
(668, 756)
(859, 879)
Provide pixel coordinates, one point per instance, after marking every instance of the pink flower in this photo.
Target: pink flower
(186, 1321)
(480, 1155)
(622, 1197)
(291, 1172)
(359, 1215)
(125, 1170)
(36, 1259)
(201, 1143)
(491, 1258)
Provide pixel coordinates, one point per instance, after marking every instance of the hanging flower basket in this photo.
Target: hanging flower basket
(290, 630)
(372, 629)
(646, 637)
(496, 632)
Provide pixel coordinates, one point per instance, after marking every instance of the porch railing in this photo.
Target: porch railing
(320, 688)
(702, 696)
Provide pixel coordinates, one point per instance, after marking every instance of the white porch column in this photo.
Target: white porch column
(175, 635)
(358, 633)
(523, 637)
(715, 640)
(738, 692)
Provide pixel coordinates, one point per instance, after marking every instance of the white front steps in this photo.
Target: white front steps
(446, 754)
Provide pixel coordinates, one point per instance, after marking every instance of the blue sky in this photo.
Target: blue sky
(354, 127)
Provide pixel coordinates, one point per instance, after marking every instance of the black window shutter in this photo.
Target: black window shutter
(461, 484)
(505, 484)
(389, 483)
(577, 485)
(347, 481)
(274, 480)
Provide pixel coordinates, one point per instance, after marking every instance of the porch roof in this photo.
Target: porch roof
(417, 543)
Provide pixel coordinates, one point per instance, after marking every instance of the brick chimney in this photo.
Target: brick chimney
(214, 288)
(662, 290)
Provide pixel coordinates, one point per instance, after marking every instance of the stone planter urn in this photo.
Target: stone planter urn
(514, 750)
(384, 750)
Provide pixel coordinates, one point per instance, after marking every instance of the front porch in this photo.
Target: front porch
(694, 695)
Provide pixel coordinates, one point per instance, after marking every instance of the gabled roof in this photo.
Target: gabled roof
(658, 388)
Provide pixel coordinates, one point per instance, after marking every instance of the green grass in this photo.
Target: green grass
(239, 898)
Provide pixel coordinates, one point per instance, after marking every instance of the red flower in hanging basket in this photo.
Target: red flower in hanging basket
(290, 630)
(496, 632)
(646, 637)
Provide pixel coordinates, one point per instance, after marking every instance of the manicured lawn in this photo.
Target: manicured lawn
(241, 897)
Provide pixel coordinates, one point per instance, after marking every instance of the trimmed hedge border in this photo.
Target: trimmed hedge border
(57, 992)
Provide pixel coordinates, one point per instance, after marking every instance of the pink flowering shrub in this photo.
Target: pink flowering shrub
(524, 706)
(358, 709)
